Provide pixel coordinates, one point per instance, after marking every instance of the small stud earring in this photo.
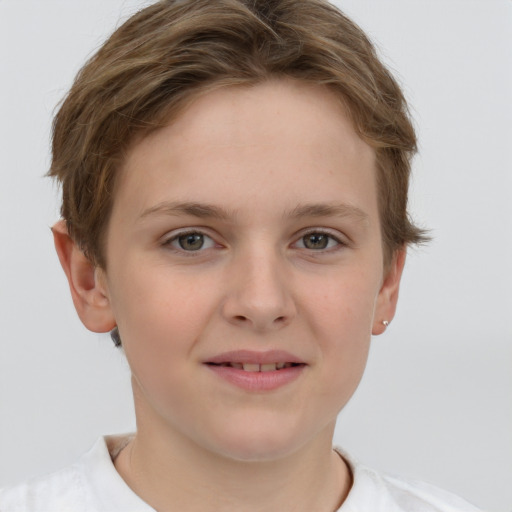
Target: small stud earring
(385, 323)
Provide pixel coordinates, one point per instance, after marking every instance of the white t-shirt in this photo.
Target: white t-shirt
(94, 485)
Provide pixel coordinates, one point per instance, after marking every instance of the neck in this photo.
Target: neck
(170, 472)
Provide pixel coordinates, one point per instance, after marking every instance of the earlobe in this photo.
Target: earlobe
(86, 282)
(388, 294)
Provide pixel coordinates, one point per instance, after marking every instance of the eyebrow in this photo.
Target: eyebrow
(208, 211)
(329, 210)
(200, 210)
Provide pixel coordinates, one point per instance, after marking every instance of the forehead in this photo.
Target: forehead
(281, 135)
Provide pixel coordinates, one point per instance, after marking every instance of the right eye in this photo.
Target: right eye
(191, 241)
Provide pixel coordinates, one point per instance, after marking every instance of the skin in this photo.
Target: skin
(271, 166)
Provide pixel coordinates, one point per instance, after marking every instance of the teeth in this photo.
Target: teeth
(254, 367)
(249, 367)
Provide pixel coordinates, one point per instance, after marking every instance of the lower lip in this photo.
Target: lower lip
(258, 381)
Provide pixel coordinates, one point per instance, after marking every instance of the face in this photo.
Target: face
(245, 269)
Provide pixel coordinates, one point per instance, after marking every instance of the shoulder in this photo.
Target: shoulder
(90, 485)
(379, 492)
(62, 490)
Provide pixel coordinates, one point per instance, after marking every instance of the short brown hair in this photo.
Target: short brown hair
(167, 53)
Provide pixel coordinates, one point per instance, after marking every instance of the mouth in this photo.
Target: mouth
(256, 371)
(255, 367)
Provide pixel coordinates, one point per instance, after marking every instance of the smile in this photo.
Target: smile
(255, 367)
(255, 371)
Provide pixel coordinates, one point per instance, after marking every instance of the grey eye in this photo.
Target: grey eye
(191, 241)
(316, 241)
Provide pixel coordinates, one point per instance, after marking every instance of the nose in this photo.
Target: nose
(259, 293)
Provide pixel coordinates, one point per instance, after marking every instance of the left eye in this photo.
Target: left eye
(317, 241)
(191, 242)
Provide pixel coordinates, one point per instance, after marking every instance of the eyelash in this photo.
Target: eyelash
(176, 237)
(321, 232)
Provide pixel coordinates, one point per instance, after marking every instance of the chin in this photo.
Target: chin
(259, 443)
(257, 451)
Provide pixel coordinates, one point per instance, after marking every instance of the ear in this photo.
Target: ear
(87, 282)
(388, 294)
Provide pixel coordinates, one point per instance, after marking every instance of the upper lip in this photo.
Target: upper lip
(255, 357)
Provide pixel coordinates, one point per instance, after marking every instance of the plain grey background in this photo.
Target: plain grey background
(436, 399)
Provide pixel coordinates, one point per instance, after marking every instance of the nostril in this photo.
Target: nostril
(260, 323)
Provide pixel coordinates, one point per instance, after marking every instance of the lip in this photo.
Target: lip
(254, 357)
(256, 381)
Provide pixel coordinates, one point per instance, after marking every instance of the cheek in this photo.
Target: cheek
(343, 306)
(341, 319)
(160, 318)
(152, 298)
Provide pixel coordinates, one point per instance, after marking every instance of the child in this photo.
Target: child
(234, 180)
